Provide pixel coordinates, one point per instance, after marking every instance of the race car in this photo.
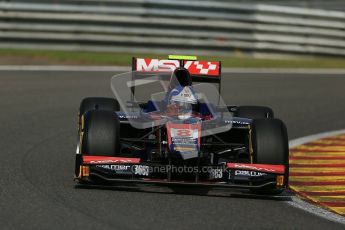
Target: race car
(169, 126)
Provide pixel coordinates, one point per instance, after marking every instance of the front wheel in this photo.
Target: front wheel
(101, 134)
(270, 146)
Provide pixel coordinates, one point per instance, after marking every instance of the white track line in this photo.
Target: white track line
(127, 68)
(299, 203)
(302, 140)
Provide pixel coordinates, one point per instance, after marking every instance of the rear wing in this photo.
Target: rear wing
(201, 71)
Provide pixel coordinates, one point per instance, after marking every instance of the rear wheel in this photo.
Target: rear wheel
(270, 146)
(254, 112)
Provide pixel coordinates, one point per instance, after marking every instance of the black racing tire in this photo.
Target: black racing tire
(270, 146)
(98, 103)
(101, 134)
(254, 112)
(270, 141)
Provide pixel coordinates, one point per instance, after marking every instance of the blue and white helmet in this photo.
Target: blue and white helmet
(183, 97)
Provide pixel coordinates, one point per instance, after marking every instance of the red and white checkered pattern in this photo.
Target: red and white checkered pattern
(202, 67)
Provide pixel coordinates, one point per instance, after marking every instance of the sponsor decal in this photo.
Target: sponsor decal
(194, 67)
(115, 167)
(184, 138)
(237, 122)
(253, 167)
(216, 173)
(108, 160)
(184, 94)
(155, 65)
(125, 116)
(258, 167)
(249, 173)
(202, 67)
(142, 170)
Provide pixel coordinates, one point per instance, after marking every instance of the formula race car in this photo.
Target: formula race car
(169, 126)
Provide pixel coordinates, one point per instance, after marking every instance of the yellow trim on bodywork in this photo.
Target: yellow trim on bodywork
(81, 133)
(84, 171)
(280, 180)
(183, 57)
(251, 151)
(80, 172)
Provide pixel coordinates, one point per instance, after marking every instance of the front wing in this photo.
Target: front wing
(131, 171)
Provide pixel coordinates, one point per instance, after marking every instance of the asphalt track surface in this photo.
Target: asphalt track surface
(38, 140)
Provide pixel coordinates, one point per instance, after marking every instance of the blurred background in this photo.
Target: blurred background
(253, 28)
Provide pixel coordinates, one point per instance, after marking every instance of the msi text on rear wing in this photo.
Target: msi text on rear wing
(201, 71)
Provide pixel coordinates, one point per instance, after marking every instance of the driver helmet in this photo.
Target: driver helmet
(182, 99)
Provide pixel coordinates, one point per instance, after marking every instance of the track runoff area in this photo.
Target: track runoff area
(317, 170)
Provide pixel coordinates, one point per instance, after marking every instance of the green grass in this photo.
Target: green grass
(17, 56)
